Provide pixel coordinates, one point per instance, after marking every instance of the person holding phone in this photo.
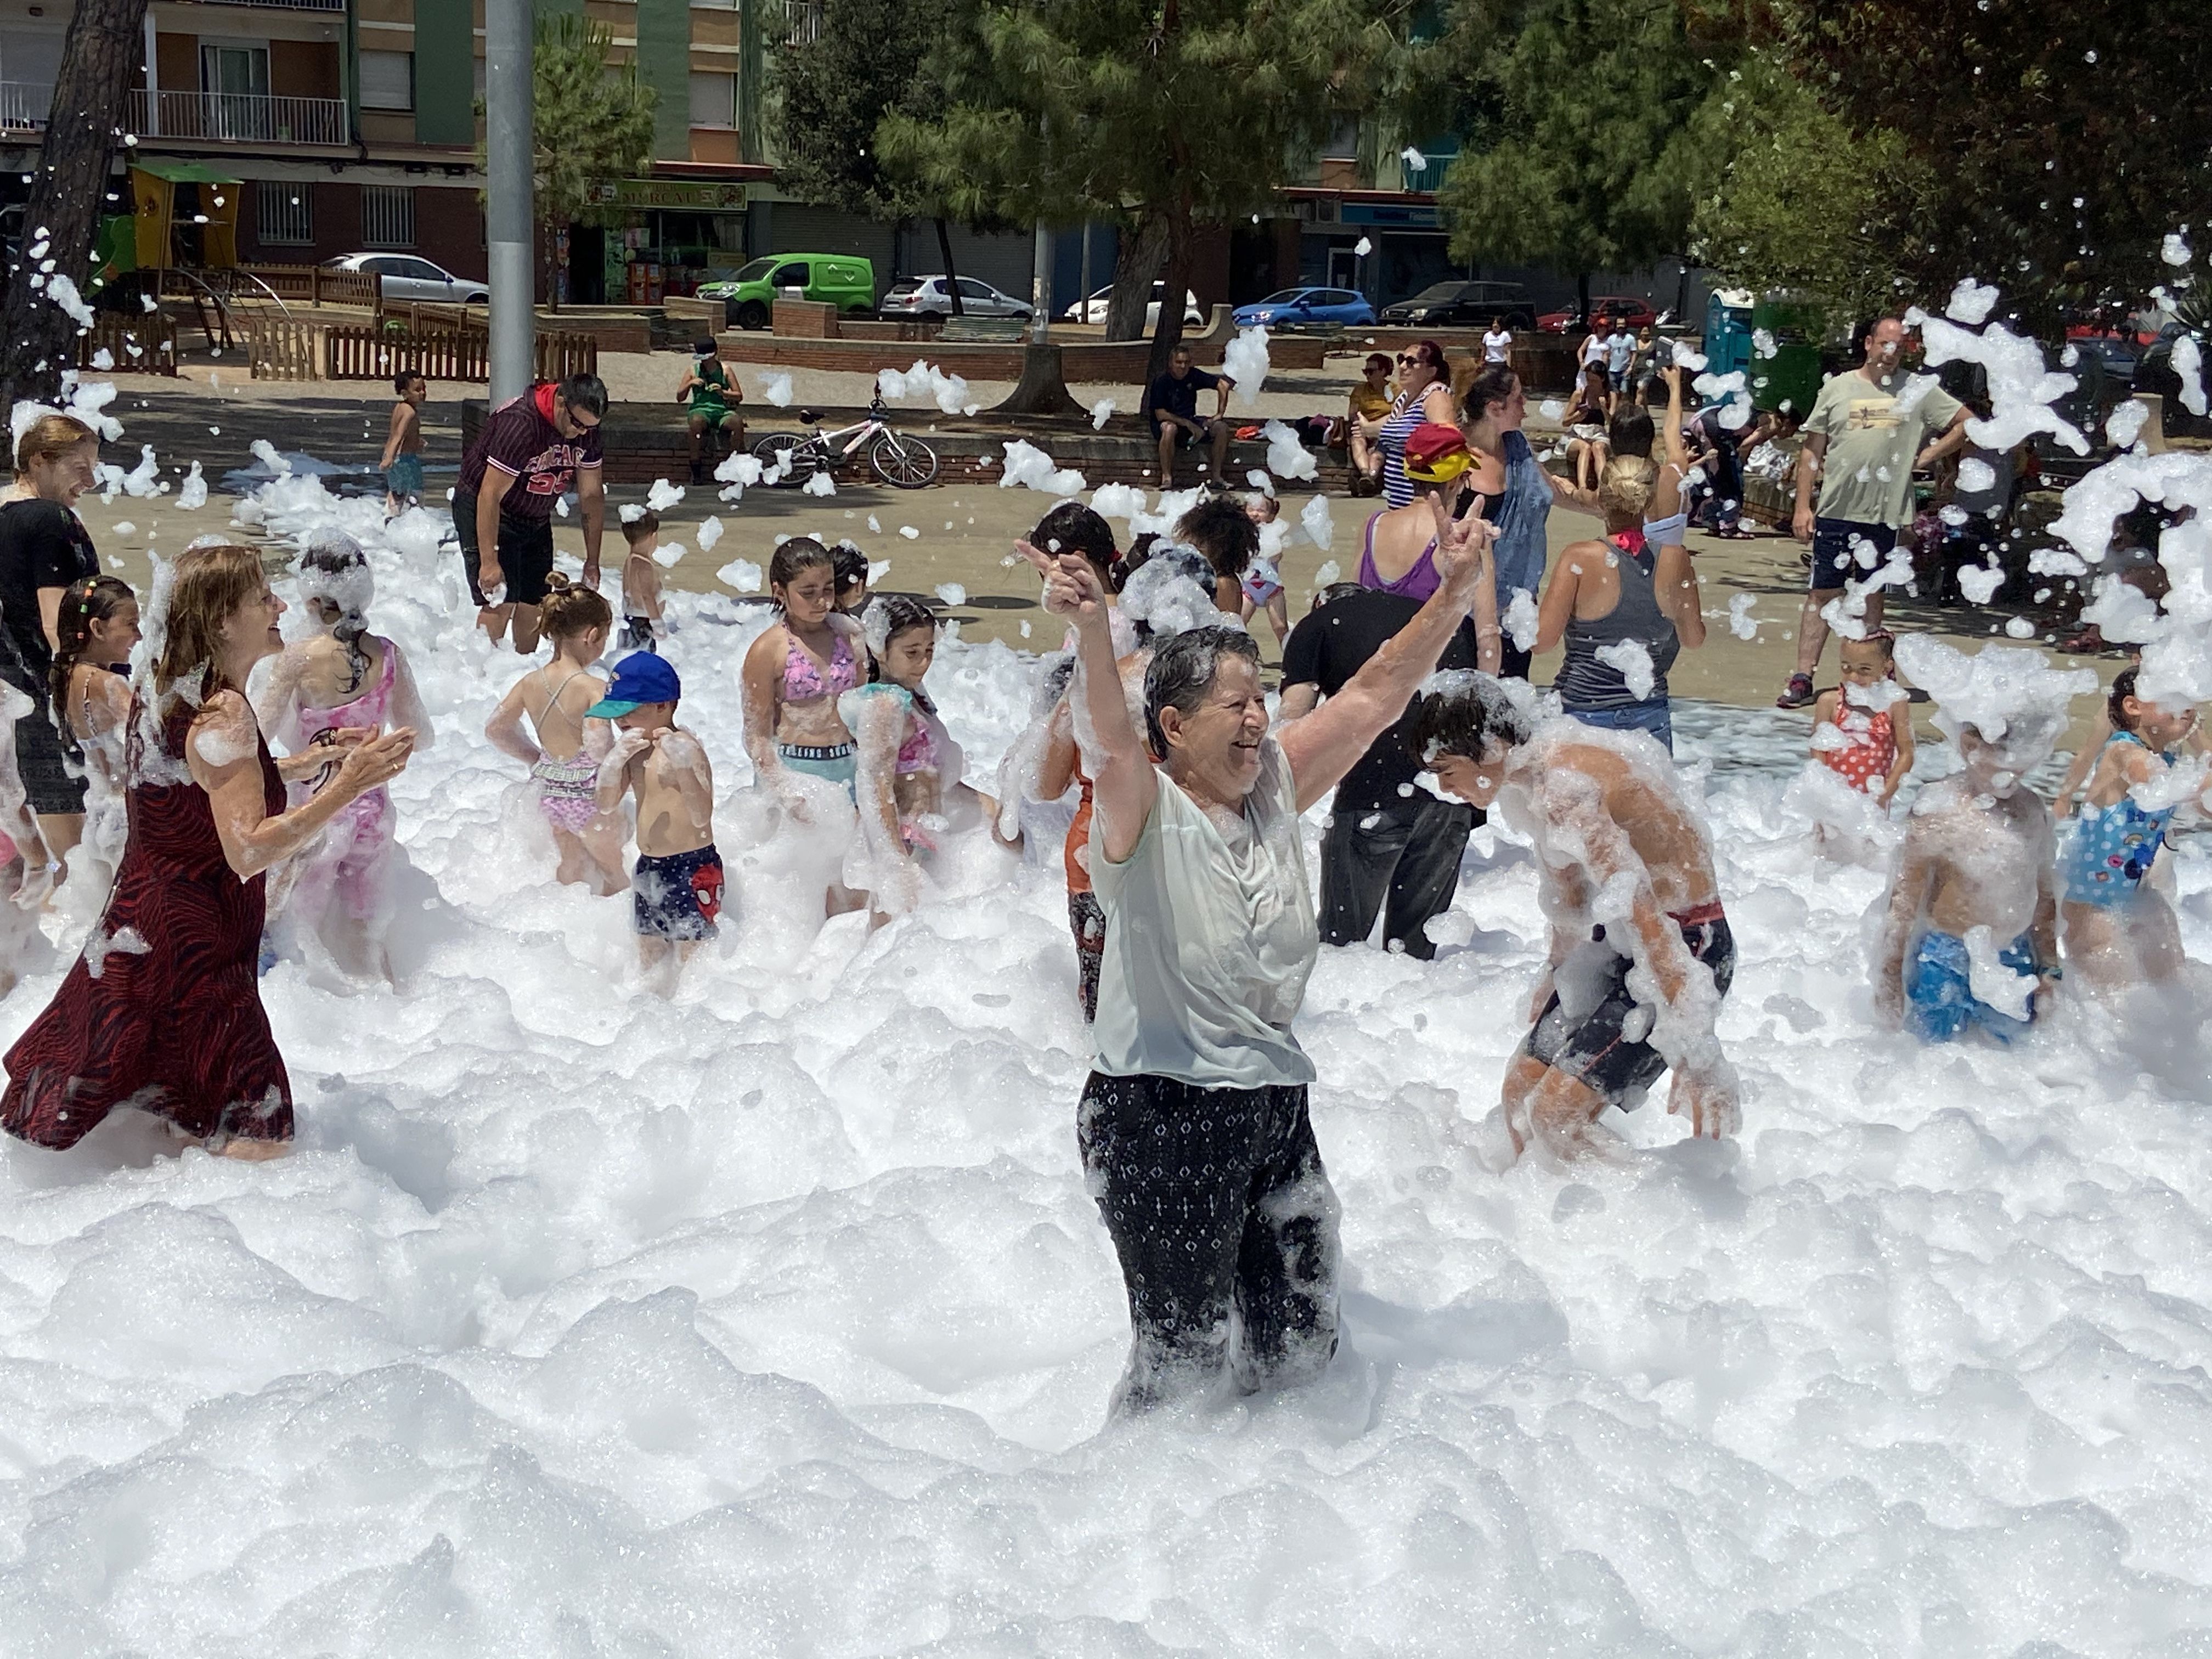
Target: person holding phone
(707, 388)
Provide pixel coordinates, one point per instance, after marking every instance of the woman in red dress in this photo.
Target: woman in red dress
(163, 1010)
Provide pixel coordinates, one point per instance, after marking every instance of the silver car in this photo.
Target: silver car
(927, 297)
(407, 276)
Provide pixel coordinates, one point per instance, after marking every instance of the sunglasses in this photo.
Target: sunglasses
(1415, 358)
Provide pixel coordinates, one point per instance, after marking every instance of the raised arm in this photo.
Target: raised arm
(1124, 786)
(1326, 745)
(225, 760)
(1056, 764)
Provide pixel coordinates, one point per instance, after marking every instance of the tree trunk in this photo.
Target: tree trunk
(69, 192)
(1042, 389)
(951, 276)
(1170, 331)
(1581, 300)
(1136, 266)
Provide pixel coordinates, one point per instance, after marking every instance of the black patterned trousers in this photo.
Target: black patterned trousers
(1226, 1228)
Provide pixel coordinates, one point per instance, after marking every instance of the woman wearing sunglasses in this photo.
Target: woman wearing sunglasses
(1425, 395)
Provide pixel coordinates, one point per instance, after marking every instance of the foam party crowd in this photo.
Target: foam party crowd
(803, 1132)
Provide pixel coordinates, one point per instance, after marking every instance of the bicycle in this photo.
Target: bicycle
(901, 462)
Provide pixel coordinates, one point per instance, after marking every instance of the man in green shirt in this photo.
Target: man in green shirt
(1870, 427)
(708, 387)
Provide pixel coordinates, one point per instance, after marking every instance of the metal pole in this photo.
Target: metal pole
(1040, 287)
(1083, 286)
(509, 220)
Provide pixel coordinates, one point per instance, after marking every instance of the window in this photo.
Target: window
(714, 99)
(792, 276)
(388, 217)
(282, 212)
(972, 290)
(387, 80)
(235, 91)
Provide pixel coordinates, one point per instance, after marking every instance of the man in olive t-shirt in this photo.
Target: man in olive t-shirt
(1870, 428)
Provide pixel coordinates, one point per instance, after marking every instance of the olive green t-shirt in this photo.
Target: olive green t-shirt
(1874, 428)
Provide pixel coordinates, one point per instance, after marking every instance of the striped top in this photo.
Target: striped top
(1405, 415)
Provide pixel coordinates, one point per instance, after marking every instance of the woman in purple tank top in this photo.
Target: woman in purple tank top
(1397, 551)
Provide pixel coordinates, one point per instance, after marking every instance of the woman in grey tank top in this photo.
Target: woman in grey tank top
(1625, 608)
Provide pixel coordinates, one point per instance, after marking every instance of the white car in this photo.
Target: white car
(407, 277)
(927, 297)
(1093, 310)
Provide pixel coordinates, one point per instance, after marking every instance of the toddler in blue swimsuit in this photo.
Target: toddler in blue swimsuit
(2119, 929)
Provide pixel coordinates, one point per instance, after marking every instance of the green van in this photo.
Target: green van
(844, 280)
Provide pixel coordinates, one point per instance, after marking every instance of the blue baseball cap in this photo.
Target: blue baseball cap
(640, 677)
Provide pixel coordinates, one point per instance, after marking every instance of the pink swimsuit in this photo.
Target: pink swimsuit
(567, 790)
(357, 842)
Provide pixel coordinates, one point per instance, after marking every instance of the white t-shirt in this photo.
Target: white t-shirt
(1208, 945)
(1495, 347)
(1594, 348)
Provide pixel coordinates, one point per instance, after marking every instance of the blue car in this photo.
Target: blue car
(1308, 307)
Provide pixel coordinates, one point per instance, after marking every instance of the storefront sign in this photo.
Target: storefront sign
(681, 195)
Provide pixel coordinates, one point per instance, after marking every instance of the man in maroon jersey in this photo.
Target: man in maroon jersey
(530, 452)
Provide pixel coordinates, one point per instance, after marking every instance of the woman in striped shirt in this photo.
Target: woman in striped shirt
(1424, 394)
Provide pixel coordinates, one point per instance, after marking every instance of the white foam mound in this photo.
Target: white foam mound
(2008, 695)
(781, 1321)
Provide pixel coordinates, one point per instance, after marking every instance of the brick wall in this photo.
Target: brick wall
(449, 229)
(1087, 365)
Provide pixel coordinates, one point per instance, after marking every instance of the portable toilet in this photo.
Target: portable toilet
(1728, 330)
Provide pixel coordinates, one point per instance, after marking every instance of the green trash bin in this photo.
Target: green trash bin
(1792, 374)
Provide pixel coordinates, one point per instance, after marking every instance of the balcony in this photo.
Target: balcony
(23, 105)
(280, 5)
(231, 117)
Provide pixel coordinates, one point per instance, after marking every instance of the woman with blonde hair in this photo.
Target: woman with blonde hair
(1625, 606)
(43, 548)
(162, 1011)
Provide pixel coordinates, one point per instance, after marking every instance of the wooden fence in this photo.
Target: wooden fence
(317, 285)
(446, 354)
(144, 344)
(279, 349)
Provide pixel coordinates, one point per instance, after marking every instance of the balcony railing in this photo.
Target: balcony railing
(234, 118)
(282, 5)
(804, 21)
(24, 104)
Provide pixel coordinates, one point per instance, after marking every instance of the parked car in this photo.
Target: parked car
(1607, 308)
(407, 277)
(1471, 304)
(1306, 308)
(2118, 353)
(928, 296)
(844, 280)
(2155, 374)
(1093, 310)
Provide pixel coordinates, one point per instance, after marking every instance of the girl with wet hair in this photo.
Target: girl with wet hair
(1220, 529)
(564, 760)
(89, 691)
(341, 678)
(163, 1010)
(901, 753)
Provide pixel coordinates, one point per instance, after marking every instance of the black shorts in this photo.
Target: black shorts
(678, 896)
(1184, 437)
(40, 760)
(1593, 1046)
(525, 552)
(1836, 544)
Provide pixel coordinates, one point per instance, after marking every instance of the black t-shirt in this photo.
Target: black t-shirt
(1332, 644)
(42, 544)
(1178, 397)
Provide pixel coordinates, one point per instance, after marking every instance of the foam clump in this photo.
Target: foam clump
(1244, 361)
(2007, 695)
(1031, 468)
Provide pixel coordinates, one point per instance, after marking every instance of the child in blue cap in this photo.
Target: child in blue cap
(676, 891)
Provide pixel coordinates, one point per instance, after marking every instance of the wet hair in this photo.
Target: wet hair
(1464, 715)
(1624, 490)
(1140, 552)
(1183, 669)
(850, 565)
(1071, 527)
(2123, 687)
(568, 609)
(799, 553)
(340, 557)
(1491, 383)
(1593, 371)
(1220, 528)
(405, 378)
(646, 523)
(1880, 636)
(900, 612)
(49, 437)
(1631, 431)
(586, 392)
(211, 583)
(87, 600)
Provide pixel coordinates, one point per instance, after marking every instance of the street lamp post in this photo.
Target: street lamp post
(509, 162)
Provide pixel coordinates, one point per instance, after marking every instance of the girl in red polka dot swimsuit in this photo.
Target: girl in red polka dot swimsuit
(1854, 736)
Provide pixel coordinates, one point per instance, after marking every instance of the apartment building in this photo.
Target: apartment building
(350, 126)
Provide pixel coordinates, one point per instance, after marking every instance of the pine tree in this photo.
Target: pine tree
(1188, 112)
(870, 59)
(1576, 115)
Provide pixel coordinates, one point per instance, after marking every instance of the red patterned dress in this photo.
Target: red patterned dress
(163, 1011)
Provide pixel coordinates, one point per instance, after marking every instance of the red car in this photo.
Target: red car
(1637, 314)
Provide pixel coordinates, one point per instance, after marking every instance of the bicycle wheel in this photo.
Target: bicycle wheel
(804, 454)
(903, 463)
